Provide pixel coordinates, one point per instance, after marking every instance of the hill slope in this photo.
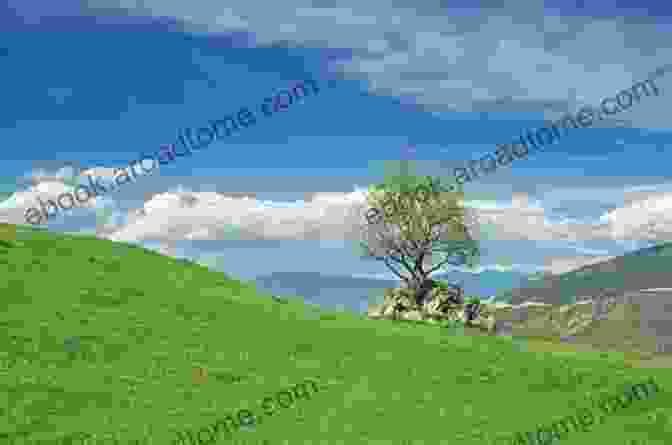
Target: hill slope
(641, 269)
(115, 341)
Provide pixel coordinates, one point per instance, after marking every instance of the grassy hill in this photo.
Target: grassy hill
(641, 269)
(118, 342)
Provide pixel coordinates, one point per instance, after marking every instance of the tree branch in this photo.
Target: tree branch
(394, 271)
(402, 261)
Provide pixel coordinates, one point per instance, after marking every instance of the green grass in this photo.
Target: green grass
(139, 324)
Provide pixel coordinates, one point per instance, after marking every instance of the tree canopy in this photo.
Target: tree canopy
(417, 227)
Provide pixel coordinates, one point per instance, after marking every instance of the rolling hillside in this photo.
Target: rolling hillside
(116, 342)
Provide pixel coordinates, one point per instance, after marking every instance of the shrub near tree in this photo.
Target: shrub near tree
(415, 228)
(7, 234)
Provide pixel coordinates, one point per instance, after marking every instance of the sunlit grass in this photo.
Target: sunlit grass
(113, 340)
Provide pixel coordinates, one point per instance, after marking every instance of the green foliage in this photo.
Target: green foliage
(416, 207)
(472, 300)
(440, 284)
(411, 185)
(665, 250)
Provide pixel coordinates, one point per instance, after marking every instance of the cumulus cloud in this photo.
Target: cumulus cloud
(49, 185)
(646, 219)
(13, 210)
(103, 172)
(190, 215)
(38, 175)
(517, 60)
(524, 220)
(646, 215)
(186, 215)
(182, 214)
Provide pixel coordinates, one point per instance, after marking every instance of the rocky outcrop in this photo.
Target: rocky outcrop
(440, 304)
(563, 321)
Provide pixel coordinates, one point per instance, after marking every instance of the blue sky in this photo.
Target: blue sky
(95, 83)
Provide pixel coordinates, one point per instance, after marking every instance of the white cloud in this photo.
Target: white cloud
(208, 215)
(13, 210)
(181, 214)
(524, 268)
(48, 185)
(645, 219)
(36, 176)
(103, 172)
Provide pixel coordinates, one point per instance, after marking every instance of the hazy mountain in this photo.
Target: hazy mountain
(355, 293)
(645, 268)
(326, 290)
(486, 283)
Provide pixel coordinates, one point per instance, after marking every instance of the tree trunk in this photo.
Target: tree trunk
(423, 284)
(471, 311)
(422, 288)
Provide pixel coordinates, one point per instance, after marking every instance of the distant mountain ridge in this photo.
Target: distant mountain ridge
(485, 284)
(355, 292)
(649, 267)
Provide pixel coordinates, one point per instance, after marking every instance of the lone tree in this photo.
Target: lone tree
(416, 227)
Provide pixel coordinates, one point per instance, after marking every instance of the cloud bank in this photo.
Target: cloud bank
(526, 59)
